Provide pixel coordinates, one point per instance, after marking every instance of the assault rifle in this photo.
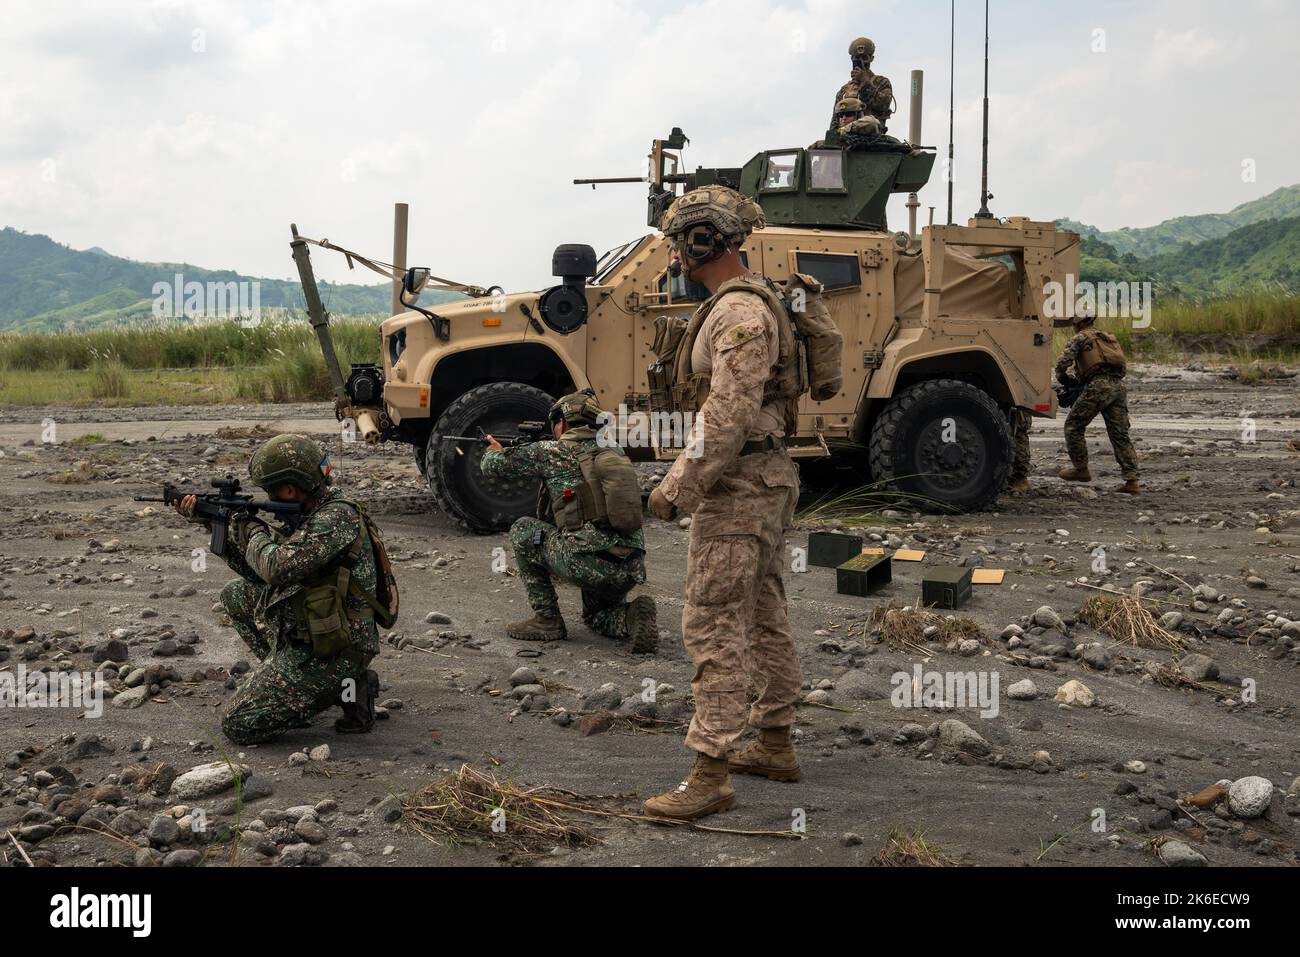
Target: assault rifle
(528, 432)
(217, 508)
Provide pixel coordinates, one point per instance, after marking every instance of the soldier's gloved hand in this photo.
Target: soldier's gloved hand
(660, 507)
(185, 507)
(242, 527)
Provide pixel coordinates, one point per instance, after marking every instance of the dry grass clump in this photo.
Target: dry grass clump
(1125, 619)
(904, 849)
(904, 626)
(470, 804)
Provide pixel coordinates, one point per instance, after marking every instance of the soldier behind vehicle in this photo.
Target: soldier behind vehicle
(588, 529)
(875, 92)
(1099, 365)
(1021, 423)
(741, 490)
(305, 604)
(850, 128)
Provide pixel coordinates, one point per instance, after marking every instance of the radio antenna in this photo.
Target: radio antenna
(984, 170)
(952, 88)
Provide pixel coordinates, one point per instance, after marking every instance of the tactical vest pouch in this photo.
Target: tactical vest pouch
(823, 344)
(614, 480)
(322, 612)
(668, 337)
(386, 602)
(1100, 349)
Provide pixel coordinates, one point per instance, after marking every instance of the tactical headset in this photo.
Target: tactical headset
(701, 243)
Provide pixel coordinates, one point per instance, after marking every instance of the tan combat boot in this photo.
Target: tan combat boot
(771, 756)
(1072, 474)
(642, 625)
(706, 790)
(1019, 485)
(543, 626)
(1130, 487)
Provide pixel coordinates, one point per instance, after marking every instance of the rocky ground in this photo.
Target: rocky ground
(1101, 751)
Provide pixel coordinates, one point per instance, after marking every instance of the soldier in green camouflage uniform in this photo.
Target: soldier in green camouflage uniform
(603, 555)
(1021, 423)
(1103, 393)
(292, 683)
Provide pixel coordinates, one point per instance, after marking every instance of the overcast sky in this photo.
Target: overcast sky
(197, 131)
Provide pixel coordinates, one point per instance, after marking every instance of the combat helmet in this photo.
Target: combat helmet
(577, 409)
(849, 104)
(862, 48)
(290, 458)
(731, 215)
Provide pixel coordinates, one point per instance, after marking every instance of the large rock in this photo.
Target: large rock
(1024, 690)
(163, 830)
(131, 698)
(957, 736)
(1046, 617)
(112, 649)
(207, 779)
(1199, 667)
(1076, 694)
(605, 698)
(1250, 796)
(1178, 854)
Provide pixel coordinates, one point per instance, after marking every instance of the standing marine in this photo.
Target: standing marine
(305, 604)
(587, 531)
(874, 91)
(737, 480)
(1098, 364)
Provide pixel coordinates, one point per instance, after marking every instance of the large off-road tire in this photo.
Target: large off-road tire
(943, 444)
(459, 488)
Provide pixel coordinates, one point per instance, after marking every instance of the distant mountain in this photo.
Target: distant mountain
(1172, 234)
(47, 286)
(1262, 256)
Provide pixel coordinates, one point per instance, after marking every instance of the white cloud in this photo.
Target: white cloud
(479, 115)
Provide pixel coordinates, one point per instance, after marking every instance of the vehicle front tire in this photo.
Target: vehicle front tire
(944, 445)
(459, 487)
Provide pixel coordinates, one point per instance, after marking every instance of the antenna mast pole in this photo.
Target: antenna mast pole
(984, 173)
(952, 88)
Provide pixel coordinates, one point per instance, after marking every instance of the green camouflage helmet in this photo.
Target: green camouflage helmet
(294, 459)
(577, 409)
(732, 214)
(850, 104)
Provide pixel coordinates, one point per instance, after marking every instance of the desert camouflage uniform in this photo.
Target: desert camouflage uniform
(1021, 424)
(1103, 393)
(580, 557)
(291, 684)
(734, 624)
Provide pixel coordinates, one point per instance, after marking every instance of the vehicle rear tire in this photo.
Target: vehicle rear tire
(459, 488)
(944, 444)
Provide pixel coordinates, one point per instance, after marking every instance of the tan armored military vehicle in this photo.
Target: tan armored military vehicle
(943, 336)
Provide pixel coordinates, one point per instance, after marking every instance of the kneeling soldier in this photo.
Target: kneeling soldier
(304, 604)
(588, 529)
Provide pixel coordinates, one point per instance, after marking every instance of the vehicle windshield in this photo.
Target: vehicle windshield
(610, 261)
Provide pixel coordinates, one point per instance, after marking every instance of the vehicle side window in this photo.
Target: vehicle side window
(834, 272)
(679, 290)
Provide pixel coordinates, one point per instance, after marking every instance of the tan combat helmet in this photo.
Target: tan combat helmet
(862, 49)
(732, 215)
(849, 106)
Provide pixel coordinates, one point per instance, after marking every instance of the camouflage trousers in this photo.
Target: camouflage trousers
(290, 684)
(1104, 394)
(1021, 423)
(543, 552)
(734, 623)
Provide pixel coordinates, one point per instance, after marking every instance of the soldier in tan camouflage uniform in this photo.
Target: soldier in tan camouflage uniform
(1099, 364)
(587, 533)
(741, 490)
(273, 605)
(875, 91)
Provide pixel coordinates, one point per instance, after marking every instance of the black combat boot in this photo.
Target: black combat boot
(359, 716)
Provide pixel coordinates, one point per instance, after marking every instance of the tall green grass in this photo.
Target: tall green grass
(174, 345)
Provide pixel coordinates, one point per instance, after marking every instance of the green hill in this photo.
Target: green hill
(1168, 236)
(47, 286)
